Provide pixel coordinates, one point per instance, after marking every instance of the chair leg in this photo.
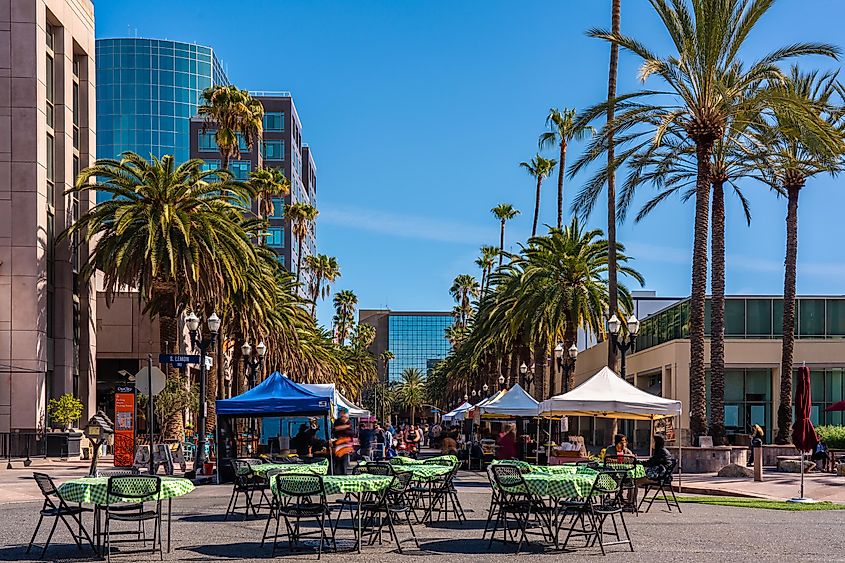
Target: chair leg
(35, 533)
(266, 528)
(52, 530)
(233, 500)
(276, 535)
(674, 498)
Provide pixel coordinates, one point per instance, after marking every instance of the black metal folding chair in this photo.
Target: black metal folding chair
(56, 507)
(131, 492)
(604, 502)
(300, 495)
(351, 502)
(246, 483)
(392, 505)
(624, 463)
(515, 499)
(442, 498)
(662, 485)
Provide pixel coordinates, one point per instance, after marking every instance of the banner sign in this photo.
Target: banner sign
(124, 426)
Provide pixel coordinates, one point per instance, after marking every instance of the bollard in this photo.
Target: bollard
(758, 463)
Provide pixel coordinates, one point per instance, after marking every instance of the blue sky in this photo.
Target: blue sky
(419, 113)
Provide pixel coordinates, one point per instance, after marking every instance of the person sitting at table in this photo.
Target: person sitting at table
(506, 443)
(301, 442)
(821, 456)
(619, 447)
(656, 466)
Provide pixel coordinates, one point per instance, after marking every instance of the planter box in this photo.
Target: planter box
(63, 444)
(710, 460)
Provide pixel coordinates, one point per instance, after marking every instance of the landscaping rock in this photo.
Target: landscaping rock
(734, 470)
(794, 465)
(840, 470)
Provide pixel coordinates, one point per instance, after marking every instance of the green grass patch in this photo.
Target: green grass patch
(760, 503)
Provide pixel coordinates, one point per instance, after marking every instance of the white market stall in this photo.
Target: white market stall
(606, 395)
(459, 410)
(515, 402)
(339, 402)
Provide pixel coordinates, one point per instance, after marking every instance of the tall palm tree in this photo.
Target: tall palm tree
(236, 115)
(411, 390)
(463, 289)
(610, 112)
(504, 212)
(539, 168)
(385, 358)
(266, 184)
(705, 86)
(563, 128)
(486, 262)
(344, 304)
(323, 269)
(796, 154)
(300, 215)
(171, 232)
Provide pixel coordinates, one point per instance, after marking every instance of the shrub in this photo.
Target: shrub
(833, 436)
(65, 410)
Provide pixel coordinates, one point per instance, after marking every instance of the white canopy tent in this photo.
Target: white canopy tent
(513, 403)
(339, 402)
(459, 410)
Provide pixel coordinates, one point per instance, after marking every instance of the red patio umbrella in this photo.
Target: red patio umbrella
(804, 436)
(837, 406)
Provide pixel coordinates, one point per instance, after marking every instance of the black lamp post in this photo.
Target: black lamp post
(624, 344)
(252, 363)
(527, 375)
(484, 388)
(501, 382)
(204, 345)
(566, 367)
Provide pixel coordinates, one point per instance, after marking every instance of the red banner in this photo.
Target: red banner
(124, 427)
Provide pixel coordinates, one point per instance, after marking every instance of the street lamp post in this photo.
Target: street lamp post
(501, 382)
(624, 344)
(252, 363)
(204, 345)
(527, 375)
(566, 367)
(484, 388)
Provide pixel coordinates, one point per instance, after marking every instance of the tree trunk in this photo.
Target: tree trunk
(536, 207)
(717, 317)
(612, 283)
(560, 171)
(173, 426)
(789, 281)
(540, 368)
(502, 243)
(298, 258)
(318, 281)
(413, 414)
(698, 391)
(513, 374)
(483, 280)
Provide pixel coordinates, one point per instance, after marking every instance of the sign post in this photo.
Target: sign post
(124, 426)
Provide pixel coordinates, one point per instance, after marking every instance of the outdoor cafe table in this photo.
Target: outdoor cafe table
(94, 490)
(422, 472)
(319, 468)
(355, 485)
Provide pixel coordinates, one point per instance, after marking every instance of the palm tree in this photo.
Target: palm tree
(266, 184)
(705, 86)
(463, 289)
(563, 127)
(344, 304)
(300, 215)
(504, 212)
(613, 67)
(796, 154)
(322, 268)
(386, 357)
(170, 232)
(539, 168)
(236, 115)
(411, 390)
(486, 262)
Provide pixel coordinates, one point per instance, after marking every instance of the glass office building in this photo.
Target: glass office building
(417, 340)
(147, 92)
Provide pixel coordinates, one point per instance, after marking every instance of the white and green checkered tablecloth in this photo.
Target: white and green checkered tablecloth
(94, 490)
(342, 484)
(421, 471)
(567, 469)
(318, 468)
(559, 485)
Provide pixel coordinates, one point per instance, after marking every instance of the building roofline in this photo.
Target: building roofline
(394, 312)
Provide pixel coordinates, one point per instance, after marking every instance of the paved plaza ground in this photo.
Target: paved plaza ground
(701, 533)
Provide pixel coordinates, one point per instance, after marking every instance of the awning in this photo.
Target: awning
(329, 391)
(516, 402)
(275, 396)
(461, 409)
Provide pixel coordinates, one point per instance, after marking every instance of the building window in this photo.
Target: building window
(281, 260)
(274, 121)
(278, 208)
(276, 237)
(206, 141)
(273, 150)
(748, 400)
(210, 165)
(76, 116)
(51, 36)
(827, 386)
(240, 169)
(811, 317)
(836, 317)
(735, 317)
(50, 91)
(51, 172)
(758, 317)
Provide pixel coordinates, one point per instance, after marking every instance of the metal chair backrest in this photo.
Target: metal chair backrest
(608, 486)
(438, 461)
(300, 485)
(666, 478)
(133, 488)
(376, 468)
(508, 479)
(49, 490)
(243, 471)
(401, 481)
(118, 472)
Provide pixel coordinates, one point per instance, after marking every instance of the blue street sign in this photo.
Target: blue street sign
(178, 360)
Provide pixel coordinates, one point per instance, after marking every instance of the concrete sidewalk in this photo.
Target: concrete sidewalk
(17, 485)
(775, 485)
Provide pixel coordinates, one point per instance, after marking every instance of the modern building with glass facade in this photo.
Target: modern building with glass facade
(147, 92)
(281, 148)
(753, 327)
(416, 339)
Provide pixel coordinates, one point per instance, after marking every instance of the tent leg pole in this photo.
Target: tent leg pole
(651, 439)
(680, 455)
(329, 442)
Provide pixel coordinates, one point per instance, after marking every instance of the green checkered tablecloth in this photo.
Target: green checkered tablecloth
(319, 468)
(94, 490)
(342, 484)
(635, 473)
(423, 471)
(568, 469)
(560, 485)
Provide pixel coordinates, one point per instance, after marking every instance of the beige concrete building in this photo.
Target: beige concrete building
(660, 364)
(47, 109)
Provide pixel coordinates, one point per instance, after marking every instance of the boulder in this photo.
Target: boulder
(840, 470)
(794, 465)
(734, 470)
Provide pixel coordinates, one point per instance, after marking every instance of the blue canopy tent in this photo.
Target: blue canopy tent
(276, 396)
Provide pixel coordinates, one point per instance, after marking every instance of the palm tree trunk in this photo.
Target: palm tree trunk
(789, 281)
(717, 316)
(612, 283)
(502, 243)
(540, 368)
(536, 207)
(298, 258)
(173, 427)
(413, 413)
(483, 279)
(315, 294)
(698, 391)
(560, 170)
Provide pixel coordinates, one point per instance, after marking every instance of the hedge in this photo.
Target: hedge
(833, 436)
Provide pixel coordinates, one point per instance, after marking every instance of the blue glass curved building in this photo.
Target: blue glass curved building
(147, 92)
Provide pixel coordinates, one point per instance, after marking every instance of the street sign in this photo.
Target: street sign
(142, 381)
(178, 360)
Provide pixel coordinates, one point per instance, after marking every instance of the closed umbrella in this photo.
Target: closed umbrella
(837, 406)
(804, 436)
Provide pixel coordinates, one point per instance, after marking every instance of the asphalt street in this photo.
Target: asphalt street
(701, 533)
